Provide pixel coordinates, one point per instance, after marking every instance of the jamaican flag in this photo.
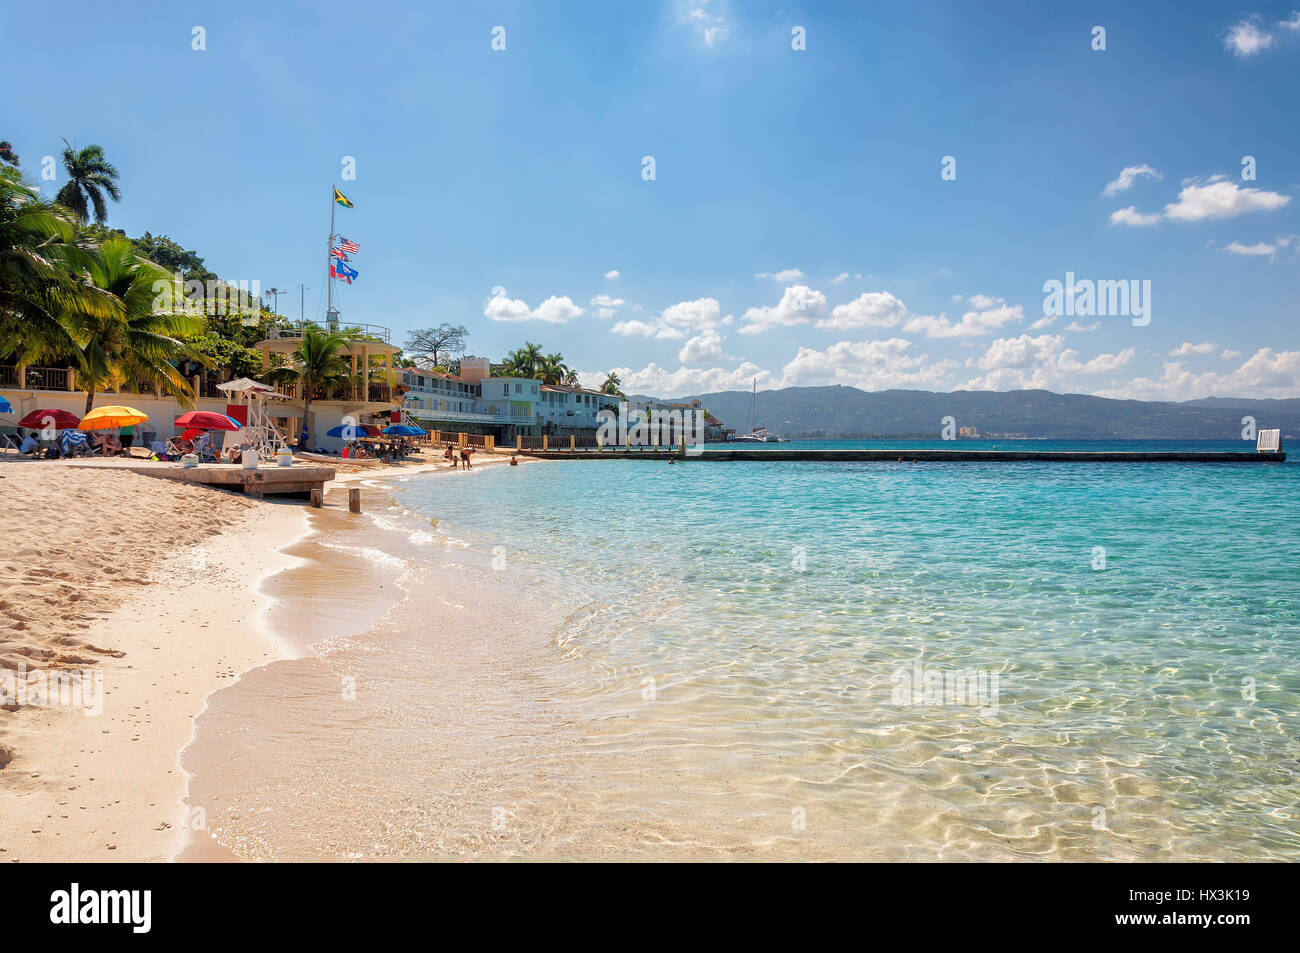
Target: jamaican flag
(342, 199)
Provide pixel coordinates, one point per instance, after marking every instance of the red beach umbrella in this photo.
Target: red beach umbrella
(207, 420)
(58, 419)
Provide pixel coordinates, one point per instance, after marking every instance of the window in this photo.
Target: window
(518, 387)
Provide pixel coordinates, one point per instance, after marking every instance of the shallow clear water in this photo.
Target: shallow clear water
(712, 659)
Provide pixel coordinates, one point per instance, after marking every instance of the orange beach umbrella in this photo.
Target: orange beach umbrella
(110, 418)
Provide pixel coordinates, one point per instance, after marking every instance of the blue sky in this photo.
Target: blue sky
(797, 229)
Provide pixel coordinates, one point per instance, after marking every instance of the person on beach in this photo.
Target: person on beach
(464, 456)
(127, 437)
(513, 461)
(450, 456)
(30, 445)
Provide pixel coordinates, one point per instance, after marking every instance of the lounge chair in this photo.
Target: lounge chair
(9, 441)
(74, 444)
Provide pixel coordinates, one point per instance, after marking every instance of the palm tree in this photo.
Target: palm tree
(612, 385)
(314, 364)
(524, 361)
(551, 369)
(90, 175)
(136, 343)
(42, 274)
(571, 378)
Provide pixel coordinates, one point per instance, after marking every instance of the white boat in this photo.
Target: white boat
(757, 434)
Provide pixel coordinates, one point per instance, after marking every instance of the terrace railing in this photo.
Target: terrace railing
(35, 378)
(296, 329)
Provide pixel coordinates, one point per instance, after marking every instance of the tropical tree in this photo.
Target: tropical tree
(551, 369)
(571, 378)
(90, 175)
(42, 274)
(524, 361)
(315, 364)
(612, 385)
(137, 341)
(437, 345)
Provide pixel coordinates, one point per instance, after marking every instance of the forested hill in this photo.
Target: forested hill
(849, 412)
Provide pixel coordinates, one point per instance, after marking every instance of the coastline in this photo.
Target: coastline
(110, 786)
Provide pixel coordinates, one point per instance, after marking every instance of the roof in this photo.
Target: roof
(561, 388)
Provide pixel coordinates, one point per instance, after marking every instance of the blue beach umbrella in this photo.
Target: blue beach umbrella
(403, 430)
(352, 431)
(5, 406)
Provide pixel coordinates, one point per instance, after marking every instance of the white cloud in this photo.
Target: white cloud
(1130, 174)
(499, 307)
(1046, 321)
(554, 310)
(875, 309)
(612, 274)
(1230, 354)
(1131, 216)
(790, 274)
(1261, 249)
(675, 321)
(798, 305)
(606, 306)
(658, 381)
(558, 310)
(871, 365)
(706, 346)
(1042, 362)
(995, 314)
(1265, 373)
(1247, 39)
(706, 18)
(1221, 198)
(1187, 348)
(1078, 328)
(1216, 197)
(647, 329)
(842, 276)
(1293, 23)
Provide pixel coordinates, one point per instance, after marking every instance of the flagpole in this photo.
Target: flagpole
(329, 243)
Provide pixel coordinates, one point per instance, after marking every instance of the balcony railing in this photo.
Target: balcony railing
(35, 378)
(376, 393)
(295, 329)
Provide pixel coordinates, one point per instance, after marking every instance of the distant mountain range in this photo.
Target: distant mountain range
(848, 412)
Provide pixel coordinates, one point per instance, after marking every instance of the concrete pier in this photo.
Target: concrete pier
(264, 481)
(728, 455)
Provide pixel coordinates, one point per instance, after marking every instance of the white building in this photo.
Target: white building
(572, 408)
(472, 401)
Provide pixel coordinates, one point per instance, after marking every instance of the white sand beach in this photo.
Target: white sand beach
(151, 594)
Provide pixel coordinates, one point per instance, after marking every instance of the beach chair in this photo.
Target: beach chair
(74, 444)
(9, 441)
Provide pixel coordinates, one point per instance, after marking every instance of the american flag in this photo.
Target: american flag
(348, 246)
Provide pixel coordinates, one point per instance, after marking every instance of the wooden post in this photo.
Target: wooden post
(461, 439)
(354, 500)
(546, 442)
(316, 495)
(519, 441)
(573, 441)
(489, 443)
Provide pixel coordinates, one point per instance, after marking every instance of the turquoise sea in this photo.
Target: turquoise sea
(827, 660)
